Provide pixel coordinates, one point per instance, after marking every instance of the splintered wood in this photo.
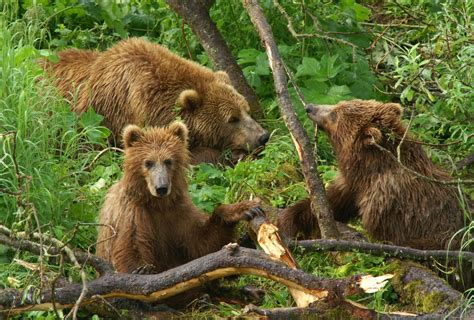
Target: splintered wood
(272, 244)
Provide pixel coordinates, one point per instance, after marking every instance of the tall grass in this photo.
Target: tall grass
(44, 147)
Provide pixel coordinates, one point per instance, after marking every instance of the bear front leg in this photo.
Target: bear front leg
(231, 214)
(342, 200)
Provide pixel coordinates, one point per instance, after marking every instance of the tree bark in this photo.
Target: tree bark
(230, 260)
(382, 249)
(317, 194)
(196, 14)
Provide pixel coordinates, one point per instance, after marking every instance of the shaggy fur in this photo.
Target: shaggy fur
(164, 230)
(138, 82)
(394, 205)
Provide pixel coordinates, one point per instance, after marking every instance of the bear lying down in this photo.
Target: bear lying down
(394, 205)
(157, 226)
(142, 83)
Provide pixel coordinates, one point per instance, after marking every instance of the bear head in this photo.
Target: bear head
(355, 124)
(218, 116)
(156, 158)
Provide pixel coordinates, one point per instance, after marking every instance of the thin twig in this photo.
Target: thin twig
(417, 174)
(20, 240)
(447, 144)
(399, 147)
(295, 86)
(312, 35)
(183, 33)
(100, 154)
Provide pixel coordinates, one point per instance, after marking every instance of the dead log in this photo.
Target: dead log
(196, 14)
(382, 250)
(422, 291)
(231, 260)
(317, 195)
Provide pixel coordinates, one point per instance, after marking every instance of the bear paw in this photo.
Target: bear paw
(145, 269)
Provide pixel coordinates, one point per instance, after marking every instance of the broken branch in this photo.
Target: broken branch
(315, 186)
(231, 260)
(381, 249)
(19, 241)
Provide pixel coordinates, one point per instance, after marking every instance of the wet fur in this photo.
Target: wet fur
(138, 82)
(394, 205)
(163, 232)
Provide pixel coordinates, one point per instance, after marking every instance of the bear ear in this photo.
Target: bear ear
(391, 111)
(223, 76)
(189, 100)
(180, 130)
(371, 135)
(131, 134)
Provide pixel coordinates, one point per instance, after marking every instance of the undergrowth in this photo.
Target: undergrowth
(52, 181)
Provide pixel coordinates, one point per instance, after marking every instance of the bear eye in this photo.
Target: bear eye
(234, 120)
(333, 116)
(168, 162)
(149, 164)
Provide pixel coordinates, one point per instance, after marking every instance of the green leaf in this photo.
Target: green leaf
(339, 91)
(309, 67)
(262, 68)
(90, 119)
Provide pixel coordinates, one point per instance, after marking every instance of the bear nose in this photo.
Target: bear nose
(308, 109)
(162, 191)
(264, 138)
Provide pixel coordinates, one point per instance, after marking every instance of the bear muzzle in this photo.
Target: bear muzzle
(158, 181)
(319, 113)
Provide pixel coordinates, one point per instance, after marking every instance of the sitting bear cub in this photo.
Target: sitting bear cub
(155, 225)
(395, 205)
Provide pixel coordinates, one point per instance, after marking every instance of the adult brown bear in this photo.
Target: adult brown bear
(148, 221)
(394, 204)
(138, 82)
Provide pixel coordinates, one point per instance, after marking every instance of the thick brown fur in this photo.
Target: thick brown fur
(138, 82)
(163, 231)
(394, 205)
(69, 80)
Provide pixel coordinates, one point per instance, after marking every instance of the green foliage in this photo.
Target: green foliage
(425, 62)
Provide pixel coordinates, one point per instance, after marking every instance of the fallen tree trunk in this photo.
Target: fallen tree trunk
(231, 260)
(317, 194)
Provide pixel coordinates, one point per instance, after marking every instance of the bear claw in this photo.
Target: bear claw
(145, 269)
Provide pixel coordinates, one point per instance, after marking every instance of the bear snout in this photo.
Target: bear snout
(158, 181)
(319, 114)
(161, 191)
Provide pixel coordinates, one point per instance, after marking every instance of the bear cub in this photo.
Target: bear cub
(394, 204)
(153, 223)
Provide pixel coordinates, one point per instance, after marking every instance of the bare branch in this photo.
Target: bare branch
(417, 174)
(20, 241)
(382, 250)
(300, 138)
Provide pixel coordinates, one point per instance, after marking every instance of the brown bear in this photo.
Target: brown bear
(138, 82)
(394, 204)
(148, 218)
